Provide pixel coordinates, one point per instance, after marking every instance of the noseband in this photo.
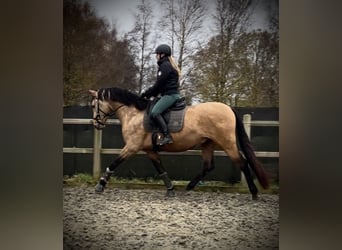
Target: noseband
(99, 111)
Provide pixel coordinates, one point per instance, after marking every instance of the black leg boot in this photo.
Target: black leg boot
(163, 127)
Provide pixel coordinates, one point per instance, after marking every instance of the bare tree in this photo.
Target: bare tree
(139, 41)
(183, 21)
(238, 67)
(231, 20)
(219, 70)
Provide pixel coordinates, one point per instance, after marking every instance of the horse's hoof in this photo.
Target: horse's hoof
(190, 186)
(170, 193)
(255, 197)
(99, 188)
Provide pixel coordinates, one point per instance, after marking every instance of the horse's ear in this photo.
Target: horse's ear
(93, 92)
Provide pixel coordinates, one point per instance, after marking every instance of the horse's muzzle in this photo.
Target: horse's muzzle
(98, 125)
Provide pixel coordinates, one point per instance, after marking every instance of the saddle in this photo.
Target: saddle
(173, 116)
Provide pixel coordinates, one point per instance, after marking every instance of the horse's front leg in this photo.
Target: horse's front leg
(124, 154)
(154, 157)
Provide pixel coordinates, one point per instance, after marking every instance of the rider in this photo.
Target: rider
(167, 85)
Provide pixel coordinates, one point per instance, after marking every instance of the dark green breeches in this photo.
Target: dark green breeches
(163, 104)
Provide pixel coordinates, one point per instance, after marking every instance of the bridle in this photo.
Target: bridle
(98, 118)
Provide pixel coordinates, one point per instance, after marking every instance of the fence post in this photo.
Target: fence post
(97, 153)
(247, 118)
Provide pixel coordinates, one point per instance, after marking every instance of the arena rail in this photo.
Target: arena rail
(97, 149)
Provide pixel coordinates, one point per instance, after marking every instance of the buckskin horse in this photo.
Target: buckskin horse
(208, 125)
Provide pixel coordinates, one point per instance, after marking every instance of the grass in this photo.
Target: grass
(151, 183)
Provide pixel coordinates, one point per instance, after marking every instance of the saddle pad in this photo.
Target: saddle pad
(175, 123)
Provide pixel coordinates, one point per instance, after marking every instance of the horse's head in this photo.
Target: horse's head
(101, 110)
(107, 101)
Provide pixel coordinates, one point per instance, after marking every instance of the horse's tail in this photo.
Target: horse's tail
(248, 151)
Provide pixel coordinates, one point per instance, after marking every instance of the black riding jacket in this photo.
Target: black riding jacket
(167, 80)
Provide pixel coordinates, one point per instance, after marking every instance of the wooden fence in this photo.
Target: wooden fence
(97, 149)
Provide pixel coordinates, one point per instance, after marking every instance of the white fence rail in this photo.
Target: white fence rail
(97, 149)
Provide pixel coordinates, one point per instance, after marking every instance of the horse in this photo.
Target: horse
(208, 125)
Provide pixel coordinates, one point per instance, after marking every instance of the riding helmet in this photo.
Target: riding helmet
(163, 48)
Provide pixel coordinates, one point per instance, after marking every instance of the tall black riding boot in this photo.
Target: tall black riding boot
(163, 127)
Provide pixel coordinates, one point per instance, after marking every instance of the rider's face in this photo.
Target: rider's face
(159, 56)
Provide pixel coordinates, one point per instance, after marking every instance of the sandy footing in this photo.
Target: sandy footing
(146, 219)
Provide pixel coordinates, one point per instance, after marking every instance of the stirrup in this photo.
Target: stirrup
(165, 140)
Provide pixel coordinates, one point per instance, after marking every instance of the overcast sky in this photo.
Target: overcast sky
(121, 12)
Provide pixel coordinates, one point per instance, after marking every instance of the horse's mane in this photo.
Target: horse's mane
(123, 96)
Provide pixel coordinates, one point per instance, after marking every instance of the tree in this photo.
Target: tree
(274, 28)
(257, 76)
(215, 62)
(205, 73)
(119, 68)
(238, 67)
(183, 21)
(138, 41)
(82, 43)
(257, 54)
(92, 55)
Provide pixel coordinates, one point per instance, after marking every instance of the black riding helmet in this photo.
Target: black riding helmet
(163, 48)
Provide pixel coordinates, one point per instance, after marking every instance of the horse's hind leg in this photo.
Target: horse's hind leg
(154, 157)
(248, 175)
(240, 162)
(208, 163)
